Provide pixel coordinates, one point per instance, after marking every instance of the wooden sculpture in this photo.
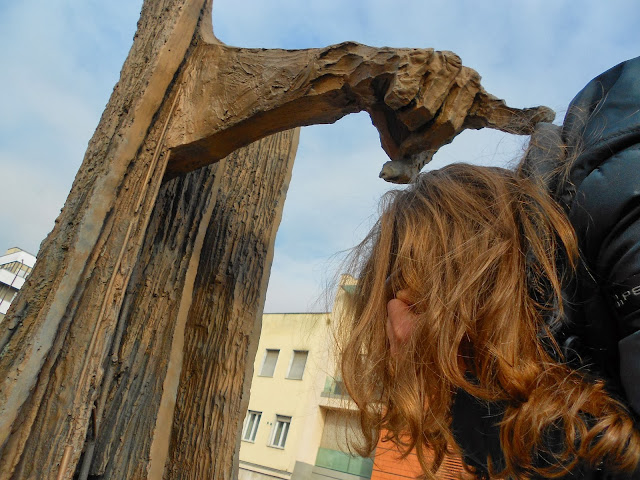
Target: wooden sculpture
(128, 354)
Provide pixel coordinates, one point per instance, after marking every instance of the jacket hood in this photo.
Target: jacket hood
(604, 118)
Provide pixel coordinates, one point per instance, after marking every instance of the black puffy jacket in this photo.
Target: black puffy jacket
(601, 137)
(603, 204)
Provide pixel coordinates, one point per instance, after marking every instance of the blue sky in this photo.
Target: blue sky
(61, 59)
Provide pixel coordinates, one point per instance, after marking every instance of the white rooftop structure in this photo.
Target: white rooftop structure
(15, 266)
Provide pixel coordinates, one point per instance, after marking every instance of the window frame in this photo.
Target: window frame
(282, 440)
(304, 368)
(251, 438)
(264, 362)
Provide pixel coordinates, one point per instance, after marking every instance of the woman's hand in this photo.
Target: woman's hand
(400, 321)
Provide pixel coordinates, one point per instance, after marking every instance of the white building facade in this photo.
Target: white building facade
(15, 266)
(296, 424)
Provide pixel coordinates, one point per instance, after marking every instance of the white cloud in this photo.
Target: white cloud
(296, 285)
(31, 202)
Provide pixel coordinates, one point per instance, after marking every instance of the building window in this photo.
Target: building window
(251, 426)
(298, 361)
(269, 363)
(280, 431)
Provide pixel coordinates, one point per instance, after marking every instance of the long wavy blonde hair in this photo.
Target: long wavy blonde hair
(481, 252)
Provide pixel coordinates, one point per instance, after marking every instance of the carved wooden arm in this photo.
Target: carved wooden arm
(418, 99)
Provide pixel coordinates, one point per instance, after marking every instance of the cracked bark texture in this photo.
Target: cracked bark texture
(147, 289)
(57, 335)
(197, 287)
(228, 295)
(140, 356)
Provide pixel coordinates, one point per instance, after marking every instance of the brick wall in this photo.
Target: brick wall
(388, 465)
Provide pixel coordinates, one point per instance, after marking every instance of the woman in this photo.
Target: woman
(452, 337)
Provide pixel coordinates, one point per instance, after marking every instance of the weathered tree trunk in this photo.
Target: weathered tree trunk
(132, 338)
(148, 327)
(222, 326)
(58, 334)
(195, 297)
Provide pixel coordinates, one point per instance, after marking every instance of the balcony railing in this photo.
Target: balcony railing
(344, 462)
(334, 388)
